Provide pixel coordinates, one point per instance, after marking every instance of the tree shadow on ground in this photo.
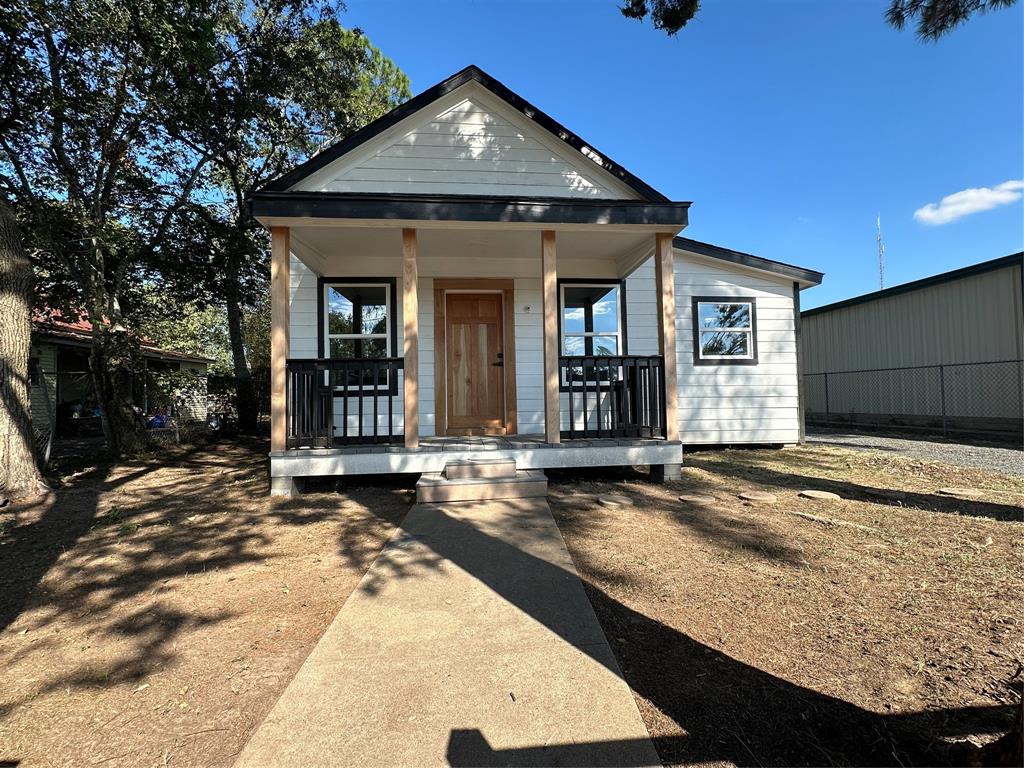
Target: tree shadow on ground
(929, 502)
(109, 548)
(727, 531)
(730, 711)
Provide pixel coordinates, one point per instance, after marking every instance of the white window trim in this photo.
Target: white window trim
(748, 330)
(388, 352)
(619, 346)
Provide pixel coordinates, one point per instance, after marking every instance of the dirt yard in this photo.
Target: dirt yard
(753, 636)
(151, 613)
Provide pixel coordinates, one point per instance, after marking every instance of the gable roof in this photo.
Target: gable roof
(1014, 259)
(808, 276)
(471, 73)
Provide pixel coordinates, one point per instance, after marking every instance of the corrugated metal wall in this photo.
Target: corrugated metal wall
(971, 320)
(944, 356)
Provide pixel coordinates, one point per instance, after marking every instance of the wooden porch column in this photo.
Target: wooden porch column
(411, 326)
(279, 290)
(666, 290)
(552, 417)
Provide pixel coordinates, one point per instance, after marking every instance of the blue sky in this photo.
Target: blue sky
(790, 124)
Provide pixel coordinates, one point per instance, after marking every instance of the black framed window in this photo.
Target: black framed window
(724, 330)
(592, 317)
(591, 322)
(358, 321)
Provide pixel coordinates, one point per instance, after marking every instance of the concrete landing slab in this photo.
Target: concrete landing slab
(470, 641)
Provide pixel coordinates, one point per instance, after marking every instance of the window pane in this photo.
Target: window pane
(359, 348)
(345, 348)
(372, 348)
(725, 344)
(572, 345)
(724, 315)
(357, 309)
(590, 308)
(606, 345)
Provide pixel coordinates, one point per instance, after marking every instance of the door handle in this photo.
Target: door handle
(498, 364)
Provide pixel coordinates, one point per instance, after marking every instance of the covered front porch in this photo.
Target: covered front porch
(399, 345)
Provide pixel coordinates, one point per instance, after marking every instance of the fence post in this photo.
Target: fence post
(942, 396)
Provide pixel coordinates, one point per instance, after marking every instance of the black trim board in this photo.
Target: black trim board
(697, 359)
(392, 283)
(748, 260)
(799, 364)
(479, 208)
(471, 73)
(925, 282)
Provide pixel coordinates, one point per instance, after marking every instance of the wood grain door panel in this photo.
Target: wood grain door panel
(475, 380)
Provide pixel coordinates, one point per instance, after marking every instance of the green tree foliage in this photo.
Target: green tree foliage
(286, 84)
(88, 154)
(934, 18)
(130, 134)
(937, 17)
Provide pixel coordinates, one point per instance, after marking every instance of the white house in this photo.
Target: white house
(466, 275)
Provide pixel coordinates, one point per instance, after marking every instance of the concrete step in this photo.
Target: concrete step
(464, 469)
(435, 488)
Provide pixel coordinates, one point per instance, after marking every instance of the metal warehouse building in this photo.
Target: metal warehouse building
(943, 353)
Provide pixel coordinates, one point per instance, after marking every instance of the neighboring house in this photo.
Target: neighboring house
(943, 353)
(61, 387)
(466, 266)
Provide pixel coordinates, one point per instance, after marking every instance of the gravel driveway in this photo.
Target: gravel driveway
(995, 458)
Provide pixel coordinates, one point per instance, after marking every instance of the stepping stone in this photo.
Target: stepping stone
(614, 502)
(823, 495)
(697, 499)
(767, 498)
(962, 493)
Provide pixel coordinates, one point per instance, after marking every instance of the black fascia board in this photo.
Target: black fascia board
(749, 260)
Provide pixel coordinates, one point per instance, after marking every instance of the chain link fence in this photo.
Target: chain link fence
(977, 398)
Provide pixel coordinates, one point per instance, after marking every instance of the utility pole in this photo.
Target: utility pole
(881, 255)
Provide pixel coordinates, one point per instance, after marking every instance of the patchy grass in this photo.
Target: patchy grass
(754, 636)
(151, 612)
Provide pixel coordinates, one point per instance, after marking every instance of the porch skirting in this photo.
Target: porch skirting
(433, 453)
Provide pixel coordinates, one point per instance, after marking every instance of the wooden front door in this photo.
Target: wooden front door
(475, 379)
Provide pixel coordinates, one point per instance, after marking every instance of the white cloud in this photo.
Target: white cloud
(968, 201)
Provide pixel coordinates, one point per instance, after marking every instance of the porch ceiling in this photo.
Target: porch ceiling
(366, 251)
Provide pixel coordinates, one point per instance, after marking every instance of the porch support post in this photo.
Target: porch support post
(411, 326)
(279, 290)
(665, 283)
(552, 418)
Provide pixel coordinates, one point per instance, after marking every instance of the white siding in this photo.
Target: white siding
(737, 403)
(529, 355)
(469, 142)
(642, 311)
(302, 323)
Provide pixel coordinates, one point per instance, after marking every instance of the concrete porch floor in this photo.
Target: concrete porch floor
(469, 642)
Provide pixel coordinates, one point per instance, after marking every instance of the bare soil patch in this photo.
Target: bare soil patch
(875, 630)
(151, 612)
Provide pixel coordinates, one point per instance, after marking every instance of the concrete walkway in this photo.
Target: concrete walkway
(469, 642)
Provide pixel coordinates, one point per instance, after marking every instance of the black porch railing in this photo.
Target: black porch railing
(613, 396)
(366, 389)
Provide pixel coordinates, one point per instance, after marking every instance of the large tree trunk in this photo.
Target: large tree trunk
(113, 366)
(18, 470)
(244, 390)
